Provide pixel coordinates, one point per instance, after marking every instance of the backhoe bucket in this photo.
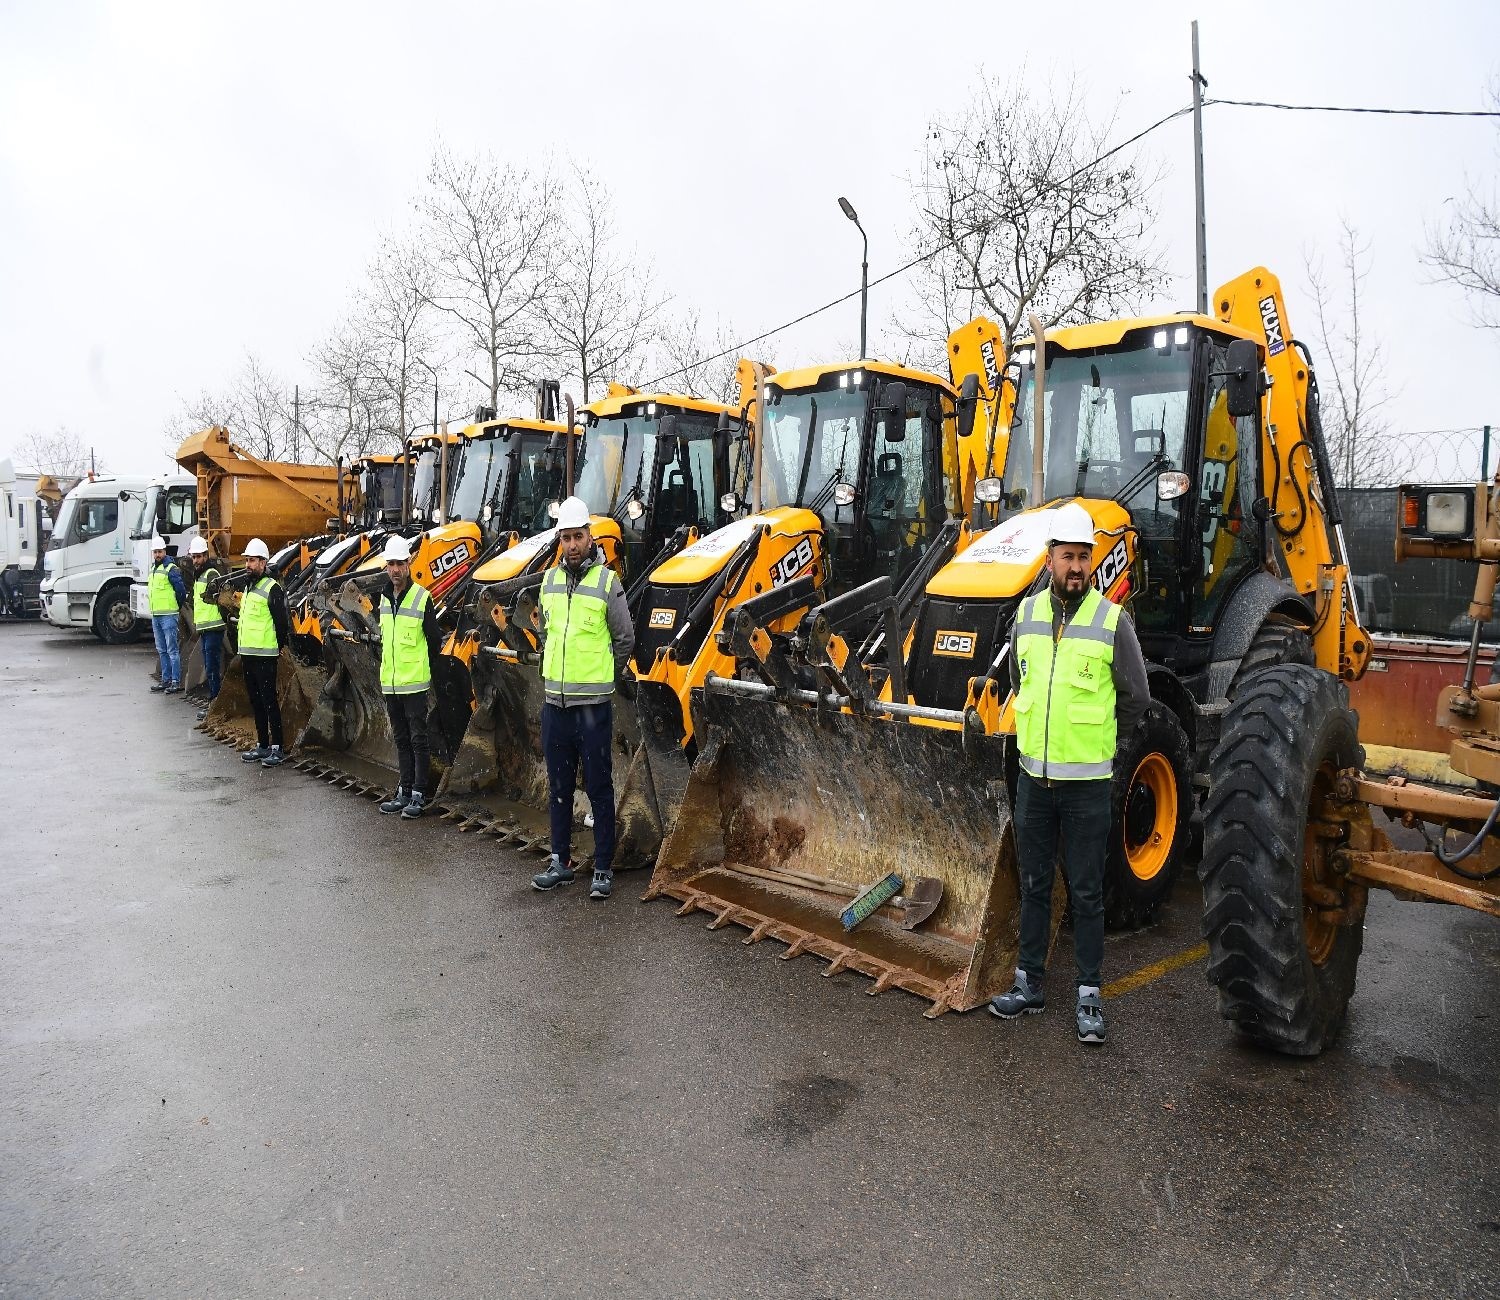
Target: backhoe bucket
(791, 811)
(651, 793)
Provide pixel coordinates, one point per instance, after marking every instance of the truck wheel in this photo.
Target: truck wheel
(1284, 930)
(114, 624)
(1150, 802)
(1272, 644)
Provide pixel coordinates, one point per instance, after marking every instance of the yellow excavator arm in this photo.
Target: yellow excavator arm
(1296, 478)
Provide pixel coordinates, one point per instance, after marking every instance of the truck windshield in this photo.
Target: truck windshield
(1108, 413)
(145, 520)
(423, 484)
(64, 525)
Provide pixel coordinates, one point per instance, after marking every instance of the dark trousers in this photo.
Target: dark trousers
(1076, 813)
(260, 686)
(212, 646)
(408, 715)
(582, 733)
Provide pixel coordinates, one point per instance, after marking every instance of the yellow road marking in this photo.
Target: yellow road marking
(1139, 979)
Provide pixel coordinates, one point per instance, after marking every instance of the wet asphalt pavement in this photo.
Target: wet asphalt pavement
(259, 1040)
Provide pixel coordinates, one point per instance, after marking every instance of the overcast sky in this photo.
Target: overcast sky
(181, 184)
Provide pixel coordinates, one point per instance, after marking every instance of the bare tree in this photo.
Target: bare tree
(1020, 211)
(1466, 250)
(693, 359)
(1360, 447)
(350, 412)
(604, 308)
(256, 407)
(493, 234)
(395, 304)
(61, 453)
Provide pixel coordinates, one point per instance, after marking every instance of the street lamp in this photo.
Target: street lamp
(443, 455)
(864, 273)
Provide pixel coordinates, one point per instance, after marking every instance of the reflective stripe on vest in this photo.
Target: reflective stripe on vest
(257, 627)
(163, 597)
(579, 657)
(404, 665)
(206, 615)
(1065, 709)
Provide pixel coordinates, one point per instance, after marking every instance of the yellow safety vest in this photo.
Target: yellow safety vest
(206, 614)
(579, 657)
(163, 596)
(1065, 709)
(257, 627)
(405, 668)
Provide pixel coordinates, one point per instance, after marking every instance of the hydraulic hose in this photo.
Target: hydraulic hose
(1451, 861)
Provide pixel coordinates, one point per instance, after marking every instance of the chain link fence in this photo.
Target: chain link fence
(1416, 597)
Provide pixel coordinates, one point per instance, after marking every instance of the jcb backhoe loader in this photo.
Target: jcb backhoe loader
(656, 470)
(1218, 525)
(859, 469)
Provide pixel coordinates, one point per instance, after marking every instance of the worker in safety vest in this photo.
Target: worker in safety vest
(167, 594)
(1080, 684)
(410, 642)
(589, 637)
(208, 620)
(264, 628)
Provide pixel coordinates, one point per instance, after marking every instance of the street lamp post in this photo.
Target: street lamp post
(864, 273)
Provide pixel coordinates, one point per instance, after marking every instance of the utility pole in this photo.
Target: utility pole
(1199, 84)
(297, 422)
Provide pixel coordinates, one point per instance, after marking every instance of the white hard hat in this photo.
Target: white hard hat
(573, 513)
(197, 547)
(157, 544)
(1071, 523)
(257, 550)
(396, 548)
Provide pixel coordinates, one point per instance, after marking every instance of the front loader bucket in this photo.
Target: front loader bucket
(497, 778)
(656, 780)
(349, 719)
(229, 717)
(790, 811)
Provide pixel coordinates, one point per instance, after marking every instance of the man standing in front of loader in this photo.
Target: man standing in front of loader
(410, 642)
(1080, 684)
(264, 628)
(167, 594)
(208, 621)
(589, 637)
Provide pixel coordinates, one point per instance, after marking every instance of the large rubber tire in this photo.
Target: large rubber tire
(114, 624)
(1151, 799)
(1284, 972)
(1272, 645)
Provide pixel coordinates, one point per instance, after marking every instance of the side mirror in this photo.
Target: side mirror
(893, 409)
(1171, 485)
(989, 490)
(968, 405)
(1242, 380)
(844, 494)
(729, 503)
(486, 512)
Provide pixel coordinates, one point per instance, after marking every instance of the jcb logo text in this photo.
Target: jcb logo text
(955, 645)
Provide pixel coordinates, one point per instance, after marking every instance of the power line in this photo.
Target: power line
(739, 348)
(1341, 108)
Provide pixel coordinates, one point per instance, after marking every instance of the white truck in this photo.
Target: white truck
(88, 563)
(168, 507)
(24, 526)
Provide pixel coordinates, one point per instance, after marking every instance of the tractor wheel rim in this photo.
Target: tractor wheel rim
(120, 618)
(1150, 817)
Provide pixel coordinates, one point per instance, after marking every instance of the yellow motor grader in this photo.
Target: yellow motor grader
(829, 764)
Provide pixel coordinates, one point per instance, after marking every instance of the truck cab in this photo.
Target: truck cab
(24, 526)
(168, 507)
(86, 567)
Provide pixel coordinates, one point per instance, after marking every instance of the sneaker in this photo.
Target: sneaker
(273, 759)
(414, 805)
(202, 713)
(603, 882)
(1024, 998)
(158, 688)
(1090, 1015)
(254, 755)
(557, 873)
(174, 689)
(396, 802)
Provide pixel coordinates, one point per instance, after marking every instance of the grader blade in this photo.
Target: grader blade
(792, 811)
